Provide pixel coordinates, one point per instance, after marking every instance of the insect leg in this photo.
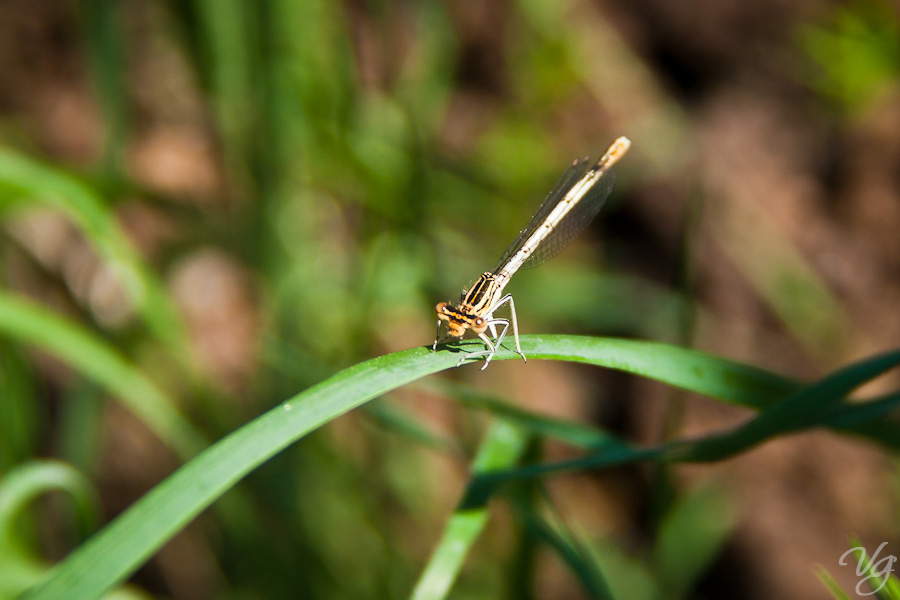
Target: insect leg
(508, 299)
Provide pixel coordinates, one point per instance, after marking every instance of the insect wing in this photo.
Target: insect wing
(574, 222)
(573, 175)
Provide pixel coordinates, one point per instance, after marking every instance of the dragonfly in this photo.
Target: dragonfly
(572, 203)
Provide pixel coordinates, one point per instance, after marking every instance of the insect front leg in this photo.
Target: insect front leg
(437, 335)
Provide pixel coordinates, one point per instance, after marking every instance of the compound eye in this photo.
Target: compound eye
(479, 322)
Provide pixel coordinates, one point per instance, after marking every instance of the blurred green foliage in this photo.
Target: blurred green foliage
(856, 54)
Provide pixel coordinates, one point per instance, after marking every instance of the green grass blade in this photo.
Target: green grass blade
(805, 409)
(837, 385)
(794, 413)
(22, 486)
(849, 414)
(25, 181)
(626, 575)
(82, 425)
(28, 481)
(18, 415)
(502, 447)
(106, 52)
(567, 547)
(227, 45)
(690, 370)
(831, 583)
(89, 355)
(877, 575)
(134, 536)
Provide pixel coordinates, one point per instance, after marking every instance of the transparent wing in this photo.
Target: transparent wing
(573, 223)
(572, 176)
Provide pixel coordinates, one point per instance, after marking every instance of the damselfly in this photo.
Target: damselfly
(569, 207)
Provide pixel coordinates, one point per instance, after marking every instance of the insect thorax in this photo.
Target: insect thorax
(481, 296)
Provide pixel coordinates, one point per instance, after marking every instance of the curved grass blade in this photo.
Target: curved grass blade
(864, 414)
(35, 325)
(20, 487)
(133, 537)
(23, 181)
(797, 412)
(806, 409)
(30, 480)
(502, 447)
(689, 370)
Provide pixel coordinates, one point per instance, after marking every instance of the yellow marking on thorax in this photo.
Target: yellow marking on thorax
(480, 299)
